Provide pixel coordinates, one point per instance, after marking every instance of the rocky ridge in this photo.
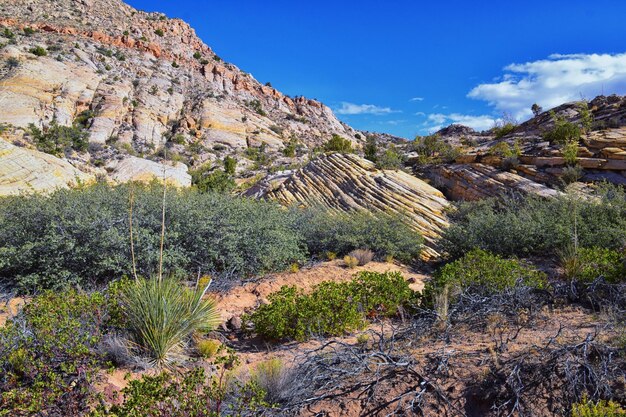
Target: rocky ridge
(144, 82)
(349, 182)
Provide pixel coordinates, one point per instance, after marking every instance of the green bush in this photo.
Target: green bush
(57, 139)
(563, 131)
(370, 150)
(48, 355)
(433, 150)
(502, 150)
(192, 393)
(592, 263)
(342, 233)
(206, 179)
(257, 107)
(506, 129)
(484, 272)
(331, 309)
(81, 236)
(601, 408)
(382, 294)
(230, 165)
(38, 51)
(390, 159)
(159, 33)
(338, 144)
(530, 225)
(161, 316)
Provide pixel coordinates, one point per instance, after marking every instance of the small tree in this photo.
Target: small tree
(371, 149)
(536, 109)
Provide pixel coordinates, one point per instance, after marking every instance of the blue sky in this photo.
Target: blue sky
(410, 67)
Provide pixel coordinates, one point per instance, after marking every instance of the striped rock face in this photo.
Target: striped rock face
(348, 182)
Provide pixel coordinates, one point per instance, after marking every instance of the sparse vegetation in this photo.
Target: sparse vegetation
(257, 107)
(38, 51)
(563, 132)
(433, 150)
(362, 256)
(338, 144)
(159, 33)
(57, 139)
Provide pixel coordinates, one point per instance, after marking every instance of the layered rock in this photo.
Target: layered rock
(348, 182)
(601, 149)
(470, 182)
(25, 170)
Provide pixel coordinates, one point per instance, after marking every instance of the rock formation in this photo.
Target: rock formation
(349, 182)
(140, 82)
(470, 182)
(24, 170)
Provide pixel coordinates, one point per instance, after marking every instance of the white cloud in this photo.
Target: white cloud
(352, 109)
(435, 121)
(417, 99)
(553, 81)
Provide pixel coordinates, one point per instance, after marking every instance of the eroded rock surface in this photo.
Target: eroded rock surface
(25, 170)
(349, 182)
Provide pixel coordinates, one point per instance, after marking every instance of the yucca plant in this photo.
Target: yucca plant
(162, 314)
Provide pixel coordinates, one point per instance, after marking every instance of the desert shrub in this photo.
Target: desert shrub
(257, 107)
(571, 174)
(390, 159)
(382, 294)
(207, 179)
(193, 393)
(433, 150)
(48, 355)
(208, 348)
(331, 256)
(338, 144)
(341, 233)
(531, 225)
(38, 51)
(570, 153)
(505, 129)
(159, 32)
(28, 31)
(12, 62)
(61, 240)
(230, 165)
(483, 272)
(331, 309)
(8, 34)
(370, 150)
(57, 139)
(588, 264)
(363, 256)
(275, 379)
(563, 132)
(602, 408)
(350, 261)
(501, 149)
(162, 314)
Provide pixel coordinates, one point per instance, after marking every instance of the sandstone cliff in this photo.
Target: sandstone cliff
(141, 82)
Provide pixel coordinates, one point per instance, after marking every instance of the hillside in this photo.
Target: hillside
(139, 83)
